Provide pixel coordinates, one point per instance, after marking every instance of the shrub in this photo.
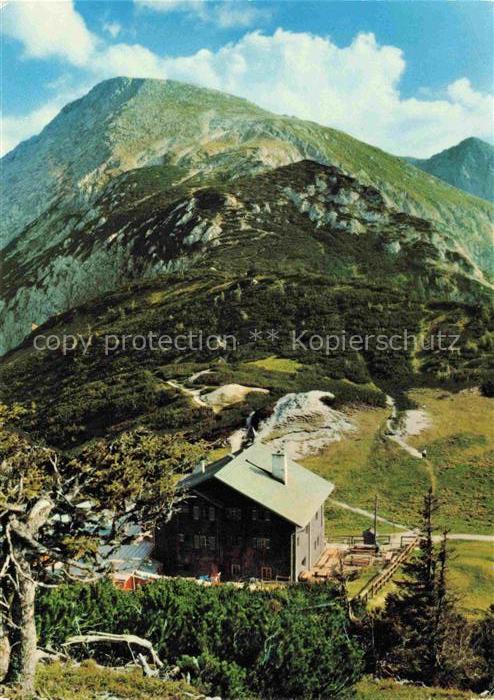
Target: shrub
(293, 642)
(487, 385)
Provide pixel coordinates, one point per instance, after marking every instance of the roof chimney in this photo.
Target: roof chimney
(201, 467)
(279, 467)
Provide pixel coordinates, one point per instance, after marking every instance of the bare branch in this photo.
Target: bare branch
(106, 637)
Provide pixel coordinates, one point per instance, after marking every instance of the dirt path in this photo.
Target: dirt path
(196, 375)
(392, 433)
(465, 536)
(470, 537)
(401, 442)
(432, 474)
(194, 393)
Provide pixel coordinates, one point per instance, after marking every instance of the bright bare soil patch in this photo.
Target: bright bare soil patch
(228, 395)
(303, 423)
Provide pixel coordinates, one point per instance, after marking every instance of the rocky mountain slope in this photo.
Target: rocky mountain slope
(144, 177)
(302, 248)
(469, 166)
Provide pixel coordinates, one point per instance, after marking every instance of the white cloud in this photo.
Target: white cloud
(226, 14)
(169, 5)
(48, 29)
(355, 88)
(113, 29)
(231, 14)
(130, 60)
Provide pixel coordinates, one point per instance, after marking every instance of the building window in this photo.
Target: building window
(317, 515)
(254, 513)
(197, 542)
(261, 543)
(204, 541)
(212, 543)
(233, 540)
(267, 515)
(212, 513)
(236, 570)
(184, 508)
(181, 537)
(234, 513)
(266, 573)
(196, 512)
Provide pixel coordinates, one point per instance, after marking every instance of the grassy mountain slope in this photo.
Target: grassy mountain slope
(147, 143)
(459, 465)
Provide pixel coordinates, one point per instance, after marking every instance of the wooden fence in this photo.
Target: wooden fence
(383, 540)
(355, 540)
(375, 584)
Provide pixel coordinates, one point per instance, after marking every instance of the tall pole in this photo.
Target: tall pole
(375, 519)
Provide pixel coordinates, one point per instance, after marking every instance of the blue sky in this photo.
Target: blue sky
(411, 77)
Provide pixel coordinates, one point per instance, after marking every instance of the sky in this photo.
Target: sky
(410, 77)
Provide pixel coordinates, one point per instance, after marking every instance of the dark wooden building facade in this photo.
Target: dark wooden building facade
(249, 515)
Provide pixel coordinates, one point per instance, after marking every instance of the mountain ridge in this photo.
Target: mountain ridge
(133, 144)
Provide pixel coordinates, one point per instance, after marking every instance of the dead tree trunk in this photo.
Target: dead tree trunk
(4, 651)
(22, 631)
(19, 593)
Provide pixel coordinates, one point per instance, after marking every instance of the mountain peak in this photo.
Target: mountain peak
(475, 141)
(137, 144)
(471, 145)
(123, 87)
(469, 165)
(109, 93)
(120, 124)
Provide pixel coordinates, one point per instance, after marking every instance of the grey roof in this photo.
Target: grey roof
(136, 551)
(129, 557)
(136, 556)
(249, 473)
